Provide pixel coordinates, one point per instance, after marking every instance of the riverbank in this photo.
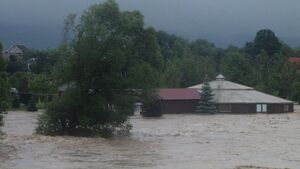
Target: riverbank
(170, 142)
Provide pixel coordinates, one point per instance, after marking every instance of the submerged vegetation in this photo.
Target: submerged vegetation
(110, 54)
(109, 60)
(70, 115)
(3, 88)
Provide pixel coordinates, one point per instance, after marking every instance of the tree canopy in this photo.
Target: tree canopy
(266, 40)
(111, 53)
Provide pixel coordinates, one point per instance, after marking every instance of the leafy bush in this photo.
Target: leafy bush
(3, 88)
(15, 102)
(73, 115)
(20, 81)
(32, 106)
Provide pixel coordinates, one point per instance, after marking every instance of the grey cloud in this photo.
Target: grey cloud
(223, 22)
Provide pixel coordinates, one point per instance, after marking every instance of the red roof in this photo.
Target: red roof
(179, 94)
(294, 60)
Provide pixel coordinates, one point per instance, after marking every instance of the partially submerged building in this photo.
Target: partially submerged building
(229, 97)
(172, 101)
(178, 100)
(235, 98)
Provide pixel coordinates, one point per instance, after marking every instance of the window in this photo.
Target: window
(261, 108)
(258, 108)
(224, 108)
(286, 108)
(264, 108)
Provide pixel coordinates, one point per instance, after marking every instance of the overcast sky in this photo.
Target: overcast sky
(38, 23)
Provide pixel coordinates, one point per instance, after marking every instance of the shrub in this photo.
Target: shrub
(3, 89)
(71, 115)
(15, 102)
(32, 106)
(20, 81)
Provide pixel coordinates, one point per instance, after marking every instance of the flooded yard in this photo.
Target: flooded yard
(172, 142)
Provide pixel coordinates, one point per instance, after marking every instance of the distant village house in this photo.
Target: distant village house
(295, 63)
(16, 51)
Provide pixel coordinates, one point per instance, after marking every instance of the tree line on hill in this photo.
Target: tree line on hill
(107, 51)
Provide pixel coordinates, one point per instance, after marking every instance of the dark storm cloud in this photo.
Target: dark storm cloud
(222, 21)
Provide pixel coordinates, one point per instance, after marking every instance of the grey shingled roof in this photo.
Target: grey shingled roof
(223, 85)
(229, 92)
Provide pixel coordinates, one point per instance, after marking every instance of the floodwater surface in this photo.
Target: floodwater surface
(171, 142)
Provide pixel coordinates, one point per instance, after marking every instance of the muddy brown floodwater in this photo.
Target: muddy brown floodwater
(171, 142)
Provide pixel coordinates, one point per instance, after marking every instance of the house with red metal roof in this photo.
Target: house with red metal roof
(172, 101)
(178, 100)
(295, 63)
(294, 60)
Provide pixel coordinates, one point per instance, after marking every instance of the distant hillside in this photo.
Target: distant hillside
(43, 37)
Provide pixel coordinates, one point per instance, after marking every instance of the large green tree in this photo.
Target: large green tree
(203, 48)
(41, 84)
(42, 88)
(16, 65)
(111, 54)
(187, 71)
(237, 68)
(266, 40)
(172, 75)
(43, 61)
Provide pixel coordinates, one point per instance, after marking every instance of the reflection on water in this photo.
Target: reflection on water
(173, 141)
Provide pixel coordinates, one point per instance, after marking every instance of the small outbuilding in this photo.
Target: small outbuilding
(235, 98)
(172, 101)
(178, 100)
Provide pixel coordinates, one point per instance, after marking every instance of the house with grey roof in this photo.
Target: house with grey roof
(17, 51)
(236, 98)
